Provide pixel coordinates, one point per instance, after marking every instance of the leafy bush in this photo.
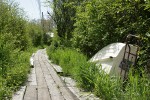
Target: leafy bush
(6, 49)
(15, 48)
(98, 23)
(13, 22)
(13, 75)
(17, 75)
(35, 33)
(101, 22)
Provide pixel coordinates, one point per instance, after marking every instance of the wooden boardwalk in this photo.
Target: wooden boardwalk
(44, 83)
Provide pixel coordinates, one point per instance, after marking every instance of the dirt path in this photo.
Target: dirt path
(44, 83)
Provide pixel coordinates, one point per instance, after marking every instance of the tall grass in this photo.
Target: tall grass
(138, 87)
(74, 64)
(69, 59)
(92, 78)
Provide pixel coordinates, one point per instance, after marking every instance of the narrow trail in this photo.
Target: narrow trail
(44, 83)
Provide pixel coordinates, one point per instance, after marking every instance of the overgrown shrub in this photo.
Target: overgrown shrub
(15, 48)
(34, 30)
(6, 55)
(13, 22)
(101, 22)
(14, 74)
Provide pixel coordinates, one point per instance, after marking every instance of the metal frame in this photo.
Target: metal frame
(126, 63)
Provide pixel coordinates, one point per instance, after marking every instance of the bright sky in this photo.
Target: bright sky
(31, 8)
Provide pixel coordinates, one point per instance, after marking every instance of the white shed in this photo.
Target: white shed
(112, 58)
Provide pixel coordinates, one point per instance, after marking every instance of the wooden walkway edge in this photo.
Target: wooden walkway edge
(44, 83)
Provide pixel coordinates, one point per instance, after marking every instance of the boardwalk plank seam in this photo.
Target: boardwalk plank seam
(43, 80)
(62, 98)
(49, 86)
(62, 87)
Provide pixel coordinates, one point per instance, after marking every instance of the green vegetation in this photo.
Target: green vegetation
(64, 18)
(92, 78)
(91, 25)
(86, 26)
(83, 27)
(17, 38)
(68, 59)
(15, 74)
(101, 22)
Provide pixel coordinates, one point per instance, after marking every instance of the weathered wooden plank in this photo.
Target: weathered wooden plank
(32, 78)
(40, 77)
(54, 75)
(31, 93)
(44, 83)
(60, 85)
(36, 63)
(57, 68)
(50, 86)
(71, 84)
(53, 88)
(55, 93)
(63, 89)
(19, 94)
(43, 93)
(67, 94)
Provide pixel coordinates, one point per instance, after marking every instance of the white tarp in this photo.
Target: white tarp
(111, 56)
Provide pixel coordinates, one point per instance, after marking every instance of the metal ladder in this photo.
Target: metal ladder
(128, 61)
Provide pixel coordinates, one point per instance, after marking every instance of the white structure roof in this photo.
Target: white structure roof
(111, 50)
(111, 56)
